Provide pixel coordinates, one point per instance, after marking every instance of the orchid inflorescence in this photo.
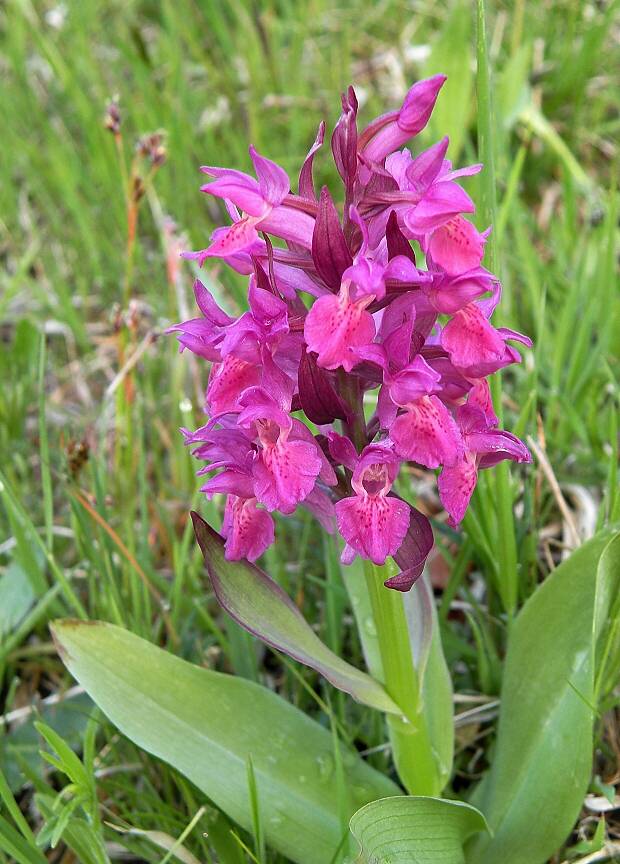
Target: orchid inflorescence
(341, 309)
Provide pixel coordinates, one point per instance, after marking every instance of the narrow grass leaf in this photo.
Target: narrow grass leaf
(13, 808)
(77, 833)
(20, 850)
(451, 55)
(44, 453)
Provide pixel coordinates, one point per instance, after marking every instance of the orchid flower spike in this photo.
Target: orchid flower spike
(352, 359)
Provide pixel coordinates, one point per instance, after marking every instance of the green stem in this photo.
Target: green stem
(349, 389)
(411, 744)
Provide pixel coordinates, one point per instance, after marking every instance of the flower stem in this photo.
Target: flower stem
(411, 744)
(350, 391)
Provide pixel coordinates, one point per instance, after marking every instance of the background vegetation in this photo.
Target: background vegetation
(94, 480)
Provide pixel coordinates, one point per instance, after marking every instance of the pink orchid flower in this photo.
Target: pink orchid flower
(483, 447)
(372, 522)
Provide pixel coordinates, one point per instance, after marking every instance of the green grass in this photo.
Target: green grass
(110, 539)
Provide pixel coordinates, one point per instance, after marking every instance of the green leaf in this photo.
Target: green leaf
(451, 56)
(258, 603)
(68, 761)
(543, 757)
(206, 725)
(608, 620)
(16, 597)
(433, 675)
(20, 745)
(353, 578)
(513, 92)
(415, 830)
(78, 834)
(533, 119)
(13, 808)
(20, 850)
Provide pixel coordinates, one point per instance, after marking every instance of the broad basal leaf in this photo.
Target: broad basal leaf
(259, 604)
(207, 724)
(607, 627)
(543, 758)
(414, 830)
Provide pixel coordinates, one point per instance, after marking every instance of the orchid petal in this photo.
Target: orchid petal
(289, 224)
(374, 526)
(427, 433)
(227, 382)
(409, 121)
(239, 237)
(322, 508)
(335, 326)
(237, 187)
(285, 473)
(440, 205)
(495, 445)
(341, 450)
(457, 246)
(273, 180)
(456, 486)
(470, 339)
(229, 482)
(423, 170)
(300, 432)
(248, 530)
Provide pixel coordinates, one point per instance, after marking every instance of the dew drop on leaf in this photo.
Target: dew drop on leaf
(325, 763)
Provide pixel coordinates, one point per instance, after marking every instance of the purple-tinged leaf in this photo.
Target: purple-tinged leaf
(306, 181)
(397, 243)
(380, 185)
(262, 280)
(413, 552)
(260, 605)
(344, 139)
(330, 252)
(319, 400)
(405, 580)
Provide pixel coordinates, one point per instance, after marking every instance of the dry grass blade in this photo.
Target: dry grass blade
(610, 851)
(547, 470)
